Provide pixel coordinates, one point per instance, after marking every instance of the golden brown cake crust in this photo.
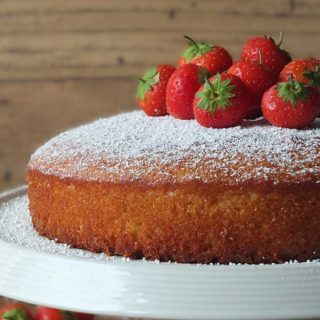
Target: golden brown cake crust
(182, 223)
(167, 189)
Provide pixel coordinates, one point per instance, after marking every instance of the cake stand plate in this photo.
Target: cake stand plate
(54, 275)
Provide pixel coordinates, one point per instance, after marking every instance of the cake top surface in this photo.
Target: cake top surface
(133, 147)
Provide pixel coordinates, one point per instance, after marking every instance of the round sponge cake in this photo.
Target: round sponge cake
(169, 189)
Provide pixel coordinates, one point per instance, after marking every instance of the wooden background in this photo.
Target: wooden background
(64, 62)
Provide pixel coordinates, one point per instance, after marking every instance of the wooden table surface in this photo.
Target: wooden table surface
(65, 62)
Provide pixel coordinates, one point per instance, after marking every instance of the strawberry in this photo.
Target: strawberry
(213, 58)
(291, 104)
(222, 102)
(47, 313)
(273, 57)
(256, 77)
(313, 77)
(300, 70)
(152, 87)
(182, 86)
(83, 316)
(15, 311)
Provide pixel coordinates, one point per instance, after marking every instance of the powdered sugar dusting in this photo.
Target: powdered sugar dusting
(135, 147)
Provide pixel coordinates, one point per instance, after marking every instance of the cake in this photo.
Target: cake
(168, 189)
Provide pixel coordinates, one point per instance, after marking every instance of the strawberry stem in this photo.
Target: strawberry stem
(193, 42)
(290, 78)
(260, 57)
(142, 80)
(280, 39)
(216, 94)
(195, 49)
(208, 82)
(285, 52)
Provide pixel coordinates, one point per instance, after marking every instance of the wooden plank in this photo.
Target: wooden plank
(69, 56)
(306, 7)
(153, 21)
(34, 44)
(32, 112)
(75, 6)
(65, 39)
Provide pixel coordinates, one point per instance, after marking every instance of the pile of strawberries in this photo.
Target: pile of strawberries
(20, 311)
(208, 86)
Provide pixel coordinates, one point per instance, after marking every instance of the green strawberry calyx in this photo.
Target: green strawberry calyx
(216, 94)
(149, 79)
(292, 91)
(195, 49)
(15, 314)
(313, 76)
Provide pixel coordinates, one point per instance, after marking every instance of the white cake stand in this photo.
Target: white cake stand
(150, 290)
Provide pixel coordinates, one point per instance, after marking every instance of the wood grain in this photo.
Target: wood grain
(63, 39)
(64, 62)
(33, 111)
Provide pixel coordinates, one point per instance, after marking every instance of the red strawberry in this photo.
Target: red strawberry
(273, 57)
(47, 313)
(256, 77)
(182, 86)
(15, 311)
(299, 69)
(222, 102)
(291, 104)
(152, 90)
(213, 58)
(83, 316)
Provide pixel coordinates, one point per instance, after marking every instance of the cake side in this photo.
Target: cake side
(184, 224)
